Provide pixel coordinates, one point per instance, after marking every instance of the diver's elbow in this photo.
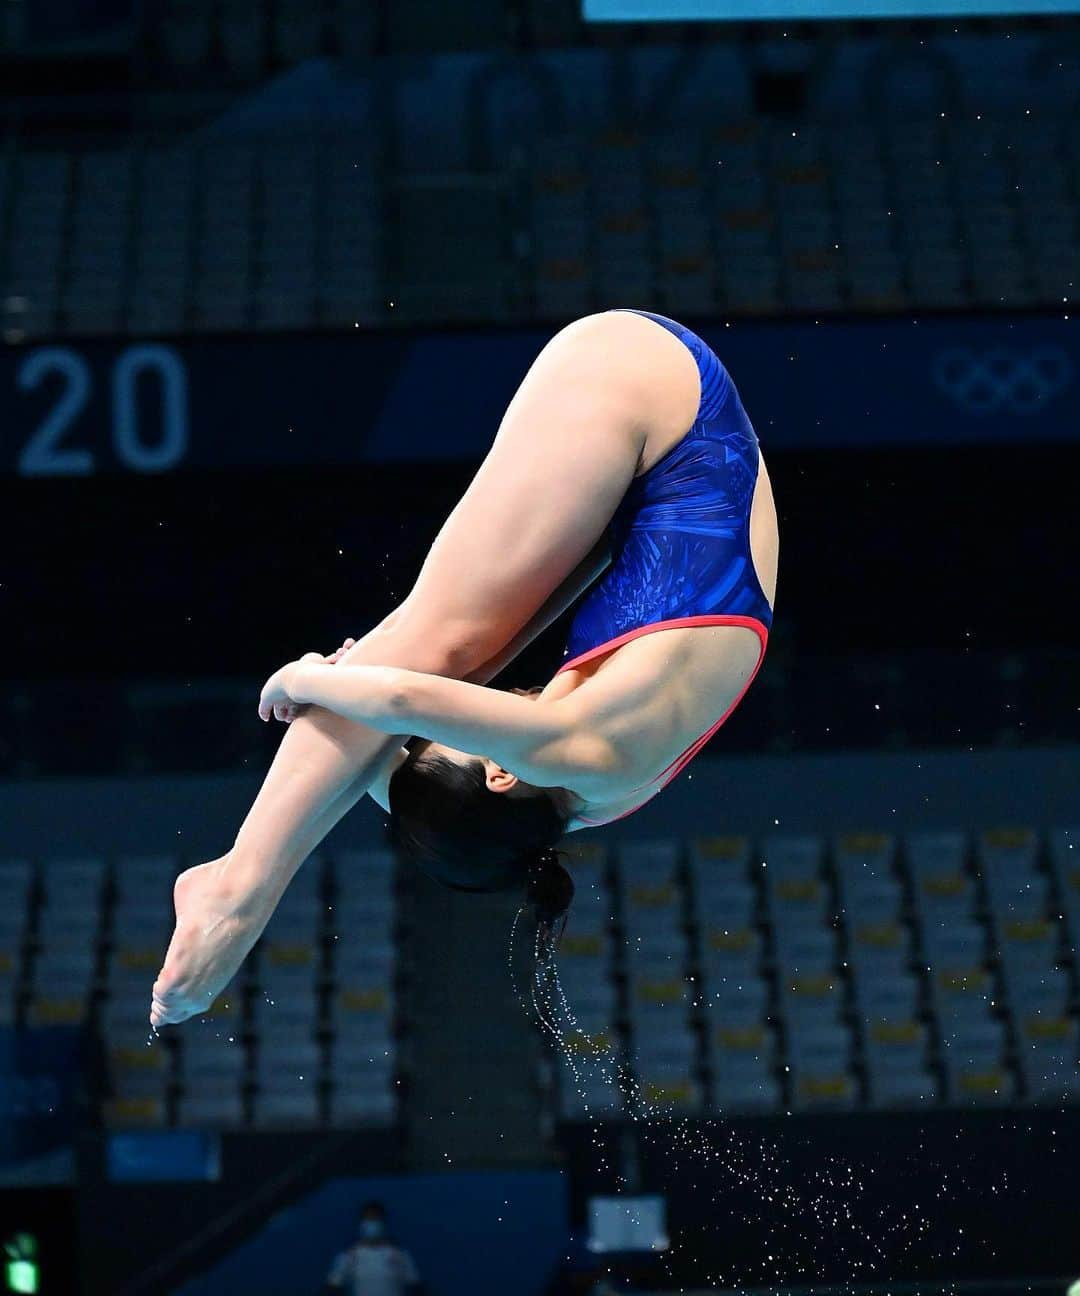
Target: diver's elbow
(399, 694)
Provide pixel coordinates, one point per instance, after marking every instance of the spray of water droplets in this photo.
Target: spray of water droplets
(806, 1225)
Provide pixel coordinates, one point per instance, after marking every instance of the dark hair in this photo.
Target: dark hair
(373, 1207)
(445, 819)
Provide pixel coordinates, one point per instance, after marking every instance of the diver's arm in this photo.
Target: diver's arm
(546, 742)
(462, 715)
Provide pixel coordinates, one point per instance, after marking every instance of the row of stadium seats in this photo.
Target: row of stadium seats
(294, 231)
(816, 217)
(167, 240)
(309, 1031)
(719, 975)
(881, 971)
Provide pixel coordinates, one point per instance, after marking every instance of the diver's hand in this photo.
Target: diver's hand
(276, 696)
(217, 923)
(335, 657)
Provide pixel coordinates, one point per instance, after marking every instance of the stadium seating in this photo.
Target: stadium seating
(299, 227)
(97, 249)
(163, 242)
(308, 1033)
(801, 973)
(35, 240)
(721, 974)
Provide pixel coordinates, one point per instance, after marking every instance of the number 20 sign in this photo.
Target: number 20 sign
(52, 449)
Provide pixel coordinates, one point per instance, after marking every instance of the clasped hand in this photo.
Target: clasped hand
(276, 698)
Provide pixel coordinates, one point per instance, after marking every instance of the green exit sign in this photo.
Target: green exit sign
(21, 1273)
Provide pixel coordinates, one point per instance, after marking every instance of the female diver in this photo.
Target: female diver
(625, 462)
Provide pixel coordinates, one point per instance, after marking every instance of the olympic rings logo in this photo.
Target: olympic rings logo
(1003, 381)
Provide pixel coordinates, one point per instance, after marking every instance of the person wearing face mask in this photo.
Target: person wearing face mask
(374, 1266)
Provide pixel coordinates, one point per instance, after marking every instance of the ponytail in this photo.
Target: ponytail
(549, 892)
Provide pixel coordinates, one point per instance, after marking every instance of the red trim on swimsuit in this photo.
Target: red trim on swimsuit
(680, 762)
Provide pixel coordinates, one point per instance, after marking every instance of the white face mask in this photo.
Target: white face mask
(371, 1230)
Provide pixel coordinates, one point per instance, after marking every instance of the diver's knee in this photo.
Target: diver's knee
(453, 647)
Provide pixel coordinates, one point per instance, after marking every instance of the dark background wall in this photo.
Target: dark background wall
(218, 574)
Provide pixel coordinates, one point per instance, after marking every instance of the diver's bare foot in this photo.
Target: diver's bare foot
(216, 926)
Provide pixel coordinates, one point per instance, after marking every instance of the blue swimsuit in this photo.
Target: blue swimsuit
(681, 538)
